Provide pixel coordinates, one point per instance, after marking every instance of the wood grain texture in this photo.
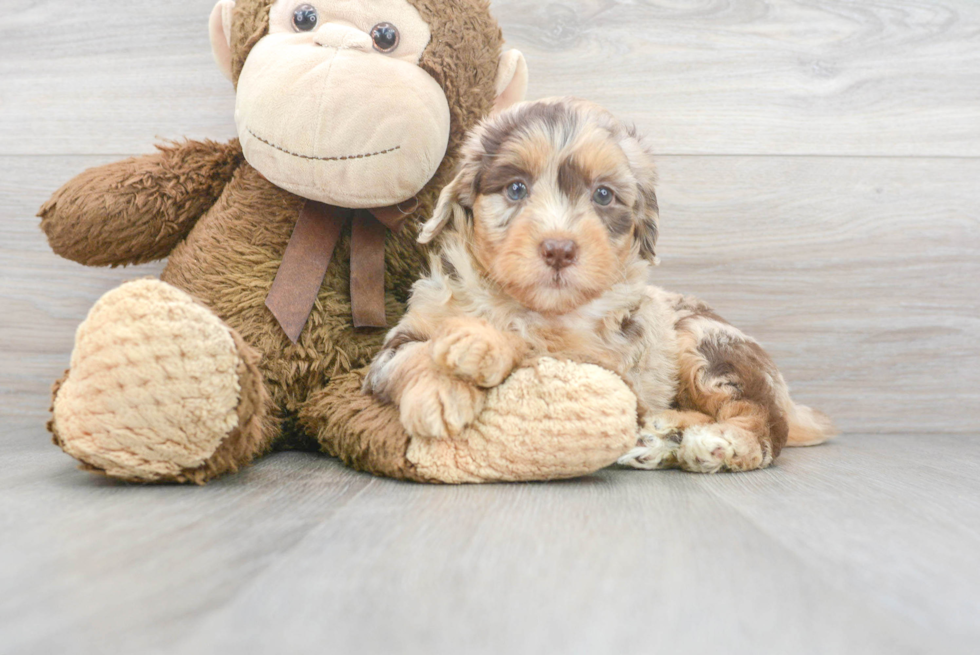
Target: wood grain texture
(891, 77)
(103, 78)
(43, 297)
(894, 77)
(864, 546)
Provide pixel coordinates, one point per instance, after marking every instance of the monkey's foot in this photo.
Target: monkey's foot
(159, 390)
(552, 420)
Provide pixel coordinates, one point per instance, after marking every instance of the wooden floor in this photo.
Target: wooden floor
(869, 545)
(820, 185)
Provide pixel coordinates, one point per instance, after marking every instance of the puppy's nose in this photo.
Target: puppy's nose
(559, 253)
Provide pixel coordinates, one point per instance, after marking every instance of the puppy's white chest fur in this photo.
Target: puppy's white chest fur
(629, 330)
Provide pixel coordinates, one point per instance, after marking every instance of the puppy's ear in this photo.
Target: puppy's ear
(648, 223)
(449, 209)
(647, 210)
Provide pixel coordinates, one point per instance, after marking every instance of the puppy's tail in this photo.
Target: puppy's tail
(808, 427)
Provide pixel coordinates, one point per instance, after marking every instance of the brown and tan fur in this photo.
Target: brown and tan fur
(710, 398)
(225, 227)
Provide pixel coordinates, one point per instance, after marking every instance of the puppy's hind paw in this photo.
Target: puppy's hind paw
(656, 447)
(705, 450)
(651, 455)
(719, 447)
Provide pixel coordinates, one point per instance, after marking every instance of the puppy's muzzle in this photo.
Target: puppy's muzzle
(559, 253)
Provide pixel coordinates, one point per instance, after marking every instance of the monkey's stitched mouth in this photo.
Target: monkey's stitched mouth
(344, 158)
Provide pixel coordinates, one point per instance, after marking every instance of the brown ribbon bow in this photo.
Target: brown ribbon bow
(308, 254)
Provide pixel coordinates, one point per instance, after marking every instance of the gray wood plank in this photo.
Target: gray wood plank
(855, 547)
(619, 563)
(96, 564)
(95, 77)
(43, 297)
(892, 519)
(857, 274)
(894, 77)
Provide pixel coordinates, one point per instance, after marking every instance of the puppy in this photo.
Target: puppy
(546, 238)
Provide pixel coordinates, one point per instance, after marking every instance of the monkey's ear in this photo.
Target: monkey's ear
(219, 27)
(511, 80)
(449, 208)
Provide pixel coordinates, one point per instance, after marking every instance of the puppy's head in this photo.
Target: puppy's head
(554, 201)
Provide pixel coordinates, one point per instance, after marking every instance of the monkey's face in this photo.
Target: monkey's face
(333, 106)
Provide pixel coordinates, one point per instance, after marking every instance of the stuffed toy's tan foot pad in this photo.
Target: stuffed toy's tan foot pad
(158, 384)
(554, 420)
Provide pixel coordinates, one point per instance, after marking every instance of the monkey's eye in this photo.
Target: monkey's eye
(305, 18)
(516, 191)
(603, 196)
(385, 37)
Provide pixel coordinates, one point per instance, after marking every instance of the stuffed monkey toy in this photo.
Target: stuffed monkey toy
(291, 251)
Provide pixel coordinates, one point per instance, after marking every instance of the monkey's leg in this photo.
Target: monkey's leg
(548, 421)
(160, 390)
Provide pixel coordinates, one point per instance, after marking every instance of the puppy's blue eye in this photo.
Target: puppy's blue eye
(603, 196)
(516, 191)
(305, 18)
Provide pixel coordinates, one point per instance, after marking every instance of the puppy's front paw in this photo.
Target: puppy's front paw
(439, 406)
(474, 351)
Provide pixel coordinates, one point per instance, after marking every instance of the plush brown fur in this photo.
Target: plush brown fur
(257, 428)
(364, 433)
(168, 192)
(225, 228)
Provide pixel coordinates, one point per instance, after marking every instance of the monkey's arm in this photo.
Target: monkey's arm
(138, 209)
